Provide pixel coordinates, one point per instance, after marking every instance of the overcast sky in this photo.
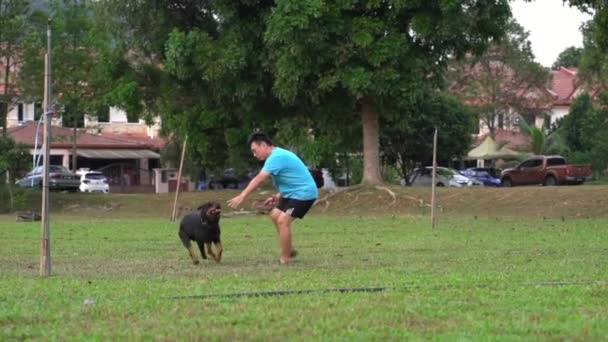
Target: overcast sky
(553, 27)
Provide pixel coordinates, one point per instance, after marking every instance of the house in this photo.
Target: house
(127, 159)
(564, 89)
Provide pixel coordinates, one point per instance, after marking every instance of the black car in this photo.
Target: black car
(60, 178)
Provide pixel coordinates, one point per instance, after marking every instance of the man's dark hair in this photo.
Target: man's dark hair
(260, 137)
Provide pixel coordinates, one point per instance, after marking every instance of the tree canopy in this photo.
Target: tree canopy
(570, 58)
(216, 70)
(502, 79)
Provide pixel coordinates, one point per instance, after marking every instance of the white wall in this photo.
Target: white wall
(13, 114)
(118, 123)
(559, 112)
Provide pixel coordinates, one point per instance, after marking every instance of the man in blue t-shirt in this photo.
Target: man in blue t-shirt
(297, 190)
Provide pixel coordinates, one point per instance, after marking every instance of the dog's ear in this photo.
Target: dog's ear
(203, 208)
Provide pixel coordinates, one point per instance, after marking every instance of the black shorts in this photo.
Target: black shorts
(294, 207)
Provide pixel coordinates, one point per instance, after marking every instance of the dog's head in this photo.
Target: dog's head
(210, 211)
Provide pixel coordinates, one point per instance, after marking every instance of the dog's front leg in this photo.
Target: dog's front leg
(210, 251)
(193, 254)
(220, 250)
(201, 247)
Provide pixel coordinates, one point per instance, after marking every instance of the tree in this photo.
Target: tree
(13, 31)
(200, 66)
(569, 58)
(502, 79)
(377, 54)
(594, 61)
(13, 159)
(543, 141)
(581, 123)
(233, 66)
(407, 138)
(76, 46)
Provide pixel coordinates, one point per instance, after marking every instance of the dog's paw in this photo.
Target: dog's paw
(195, 262)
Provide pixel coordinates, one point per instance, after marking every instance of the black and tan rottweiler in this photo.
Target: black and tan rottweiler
(204, 228)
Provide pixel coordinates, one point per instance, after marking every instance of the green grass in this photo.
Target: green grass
(471, 278)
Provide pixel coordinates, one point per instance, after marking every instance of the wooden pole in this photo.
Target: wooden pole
(179, 179)
(434, 185)
(45, 244)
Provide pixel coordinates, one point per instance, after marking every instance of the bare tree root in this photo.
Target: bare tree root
(389, 192)
(336, 192)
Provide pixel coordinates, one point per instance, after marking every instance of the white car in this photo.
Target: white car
(94, 181)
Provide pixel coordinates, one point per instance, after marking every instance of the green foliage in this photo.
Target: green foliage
(575, 126)
(239, 65)
(494, 81)
(584, 130)
(77, 46)
(407, 139)
(14, 158)
(14, 31)
(569, 58)
(544, 141)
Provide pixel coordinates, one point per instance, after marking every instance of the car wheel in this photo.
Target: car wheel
(550, 181)
(506, 182)
(440, 184)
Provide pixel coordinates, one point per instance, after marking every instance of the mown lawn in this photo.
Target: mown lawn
(471, 278)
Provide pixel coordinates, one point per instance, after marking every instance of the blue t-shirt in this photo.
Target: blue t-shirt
(290, 175)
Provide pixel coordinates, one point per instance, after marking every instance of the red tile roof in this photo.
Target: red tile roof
(563, 85)
(61, 137)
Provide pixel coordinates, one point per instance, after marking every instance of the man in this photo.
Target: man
(297, 190)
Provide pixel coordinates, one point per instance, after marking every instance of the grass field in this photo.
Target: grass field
(479, 277)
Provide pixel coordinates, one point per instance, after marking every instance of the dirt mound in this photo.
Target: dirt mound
(534, 201)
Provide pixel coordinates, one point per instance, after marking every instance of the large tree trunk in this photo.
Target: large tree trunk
(371, 142)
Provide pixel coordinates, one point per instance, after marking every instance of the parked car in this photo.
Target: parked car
(60, 178)
(94, 181)
(546, 170)
(444, 177)
(229, 180)
(488, 176)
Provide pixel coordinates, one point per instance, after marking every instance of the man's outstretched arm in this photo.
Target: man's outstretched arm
(253, 184)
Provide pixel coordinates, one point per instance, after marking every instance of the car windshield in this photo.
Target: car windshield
(94, 175)
(447, 172)
(58, 169)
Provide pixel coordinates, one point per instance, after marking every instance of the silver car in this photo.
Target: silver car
(445, 177)
(60, 178)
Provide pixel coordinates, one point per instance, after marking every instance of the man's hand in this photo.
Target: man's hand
(271, 201)
(236, 201)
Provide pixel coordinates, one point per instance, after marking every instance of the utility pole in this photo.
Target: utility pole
(434, 185)
(179, 179)
(45, 244)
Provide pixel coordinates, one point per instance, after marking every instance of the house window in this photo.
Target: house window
(103, 114)
(20, 112)
(163, 176)
(501, 120)
(547, 123)
(529, 117)
(37, 111)
(132, 118)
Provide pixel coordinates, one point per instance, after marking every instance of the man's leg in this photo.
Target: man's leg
(282, 222)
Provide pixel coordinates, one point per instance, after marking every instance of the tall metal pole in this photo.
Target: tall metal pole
(434, 185)
(45, 245)
(179, 179)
